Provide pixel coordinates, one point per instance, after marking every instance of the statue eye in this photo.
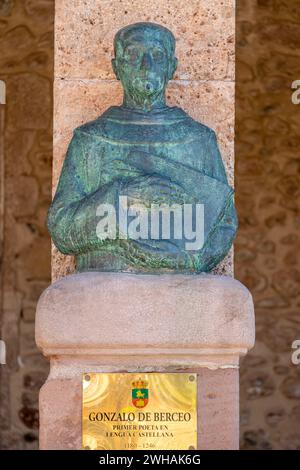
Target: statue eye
(158, 55)
(132, 55)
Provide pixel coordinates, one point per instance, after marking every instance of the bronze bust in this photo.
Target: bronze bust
(146, 152)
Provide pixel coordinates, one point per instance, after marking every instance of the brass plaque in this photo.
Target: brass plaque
(139, 411)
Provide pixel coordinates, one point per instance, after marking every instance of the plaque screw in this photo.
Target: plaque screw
(191, 378)
(87, 448)
(191, 448)
(87, 378)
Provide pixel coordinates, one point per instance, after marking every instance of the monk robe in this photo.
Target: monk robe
(163, 156)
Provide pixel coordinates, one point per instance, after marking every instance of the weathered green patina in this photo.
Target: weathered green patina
(151, 153)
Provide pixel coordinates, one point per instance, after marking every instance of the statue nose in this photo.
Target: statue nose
(146, 61)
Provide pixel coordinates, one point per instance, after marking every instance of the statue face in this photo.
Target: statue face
(143, 65)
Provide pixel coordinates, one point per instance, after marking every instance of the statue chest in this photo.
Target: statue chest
(105, 160)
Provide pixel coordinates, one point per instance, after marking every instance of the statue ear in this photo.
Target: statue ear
(115, 68)
(173, 67)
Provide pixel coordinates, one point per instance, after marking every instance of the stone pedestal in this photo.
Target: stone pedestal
(115, 322)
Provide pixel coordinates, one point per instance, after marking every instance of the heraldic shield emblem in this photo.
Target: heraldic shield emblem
(140, 393)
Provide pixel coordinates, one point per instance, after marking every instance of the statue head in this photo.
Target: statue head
(144, 61)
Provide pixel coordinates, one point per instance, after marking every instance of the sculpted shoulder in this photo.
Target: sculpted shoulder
(200, 129)
(91, 127)
(167, 125)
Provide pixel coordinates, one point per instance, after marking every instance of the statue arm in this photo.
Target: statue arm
(223, 231)
(220, 238)
(185, 176)
(72, 215)
(214, 158)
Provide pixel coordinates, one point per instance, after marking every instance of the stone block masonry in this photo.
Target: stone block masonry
(85, 84)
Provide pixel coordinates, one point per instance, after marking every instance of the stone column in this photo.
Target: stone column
(115, 322)
(105, 322)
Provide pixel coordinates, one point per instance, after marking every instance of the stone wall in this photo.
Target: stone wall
(267, 251)
(26, 65)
